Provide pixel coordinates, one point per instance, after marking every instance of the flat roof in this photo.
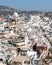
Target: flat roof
(20, 59)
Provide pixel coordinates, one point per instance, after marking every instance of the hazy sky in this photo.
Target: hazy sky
(42, 5)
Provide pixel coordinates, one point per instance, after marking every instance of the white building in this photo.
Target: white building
(35, 18)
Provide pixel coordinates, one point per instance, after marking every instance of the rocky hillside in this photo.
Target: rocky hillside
(5, 10)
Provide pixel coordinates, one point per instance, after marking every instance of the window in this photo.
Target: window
(1, 59)
(16, 63)
(26, 62)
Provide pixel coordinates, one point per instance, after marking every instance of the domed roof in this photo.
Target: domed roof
(15, 14)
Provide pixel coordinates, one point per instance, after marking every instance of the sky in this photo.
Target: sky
(40, 5)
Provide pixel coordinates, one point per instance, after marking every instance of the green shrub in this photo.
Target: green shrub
(50, 50)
